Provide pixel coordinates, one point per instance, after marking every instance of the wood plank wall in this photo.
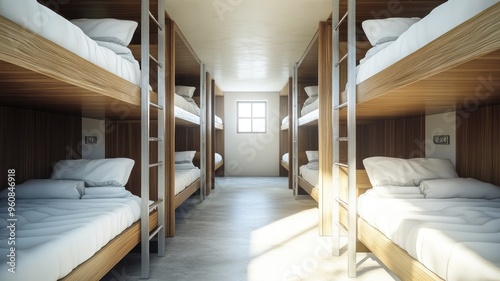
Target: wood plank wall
(33, 141)
(123, 139)
(478, 144)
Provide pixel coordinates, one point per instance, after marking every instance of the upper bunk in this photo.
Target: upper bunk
(68, 72)
(307, 75)
(448, 60)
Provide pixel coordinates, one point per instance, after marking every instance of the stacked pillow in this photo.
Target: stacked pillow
(112, 34)
(312, 159)
(382, 32)
(184, 160)
(434, 178)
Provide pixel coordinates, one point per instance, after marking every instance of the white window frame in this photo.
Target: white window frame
(252, 117)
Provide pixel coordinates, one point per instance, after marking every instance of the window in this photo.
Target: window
(251, 116)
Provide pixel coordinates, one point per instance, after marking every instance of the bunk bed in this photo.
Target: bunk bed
(312, 129)
(71, 73)
(452, 68)
(215, 133)
(286, 144)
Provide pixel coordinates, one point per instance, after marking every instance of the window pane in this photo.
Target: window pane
(245, 125)
(259, 125)
(259, 109)
(244, 109)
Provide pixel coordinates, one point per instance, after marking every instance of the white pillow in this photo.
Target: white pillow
(406, 172)
(312, 155)
(374, 50)
(185, 91)
(110, 30)
(459, 188)
(382, 30)
(310, 100)
(47, 189)
(98, 172)
(313, 165)
(116, 48)
(395, 189)
(311, 90)
(182, 157)
(185, 166)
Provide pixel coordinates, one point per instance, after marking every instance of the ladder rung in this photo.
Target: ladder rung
(155, 60)
(155, 164)
(340, 106)
(156, 105)
(155, 20)
(341, 227)
(342, 202)
(341, 20)
(341, 60)
(343, 139)
(154, 205)
(153, 234)
(154, 139)
(341, 165)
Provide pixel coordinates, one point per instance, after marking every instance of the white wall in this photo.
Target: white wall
(251, 154)
(93, 127)
(440, 124)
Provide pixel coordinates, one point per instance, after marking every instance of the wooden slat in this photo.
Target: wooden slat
(311, 190)
(186, 193)
(393, 256)
(105, 259)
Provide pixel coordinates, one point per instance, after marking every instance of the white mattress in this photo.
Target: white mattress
(311, 176)
(186, 110)
(458, 239)
(53, 236)
(62, 32)
(183, 178)
(442, 19)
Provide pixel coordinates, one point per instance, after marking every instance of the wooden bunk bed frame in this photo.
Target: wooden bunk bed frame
(440, 77)
(37, 74)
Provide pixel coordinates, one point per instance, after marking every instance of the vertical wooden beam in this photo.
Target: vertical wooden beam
(325, 124)
(210, 134)
(170, 30)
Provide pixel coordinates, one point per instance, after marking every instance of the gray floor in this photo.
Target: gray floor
(249, 229)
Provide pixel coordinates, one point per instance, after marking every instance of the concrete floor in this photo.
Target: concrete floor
(249, 229)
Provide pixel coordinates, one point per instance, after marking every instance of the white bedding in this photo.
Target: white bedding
(311, 176)
(442, 19)
(285, 157)
(43, 21)
(186, 110)
(183, 178)
(217, 158)
(309, 108)
(53, 236)
(458, 239)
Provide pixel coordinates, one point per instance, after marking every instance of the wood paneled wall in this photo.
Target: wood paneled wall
(478, 144)
(123, 139)
(32, 141)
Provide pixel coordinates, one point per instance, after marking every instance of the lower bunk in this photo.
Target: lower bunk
(426, 223)
(187, 182)
(76, 225)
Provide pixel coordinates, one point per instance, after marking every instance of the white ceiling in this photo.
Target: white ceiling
(249, 45)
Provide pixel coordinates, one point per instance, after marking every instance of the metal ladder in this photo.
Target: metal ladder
(146, 139)
(350, 104)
